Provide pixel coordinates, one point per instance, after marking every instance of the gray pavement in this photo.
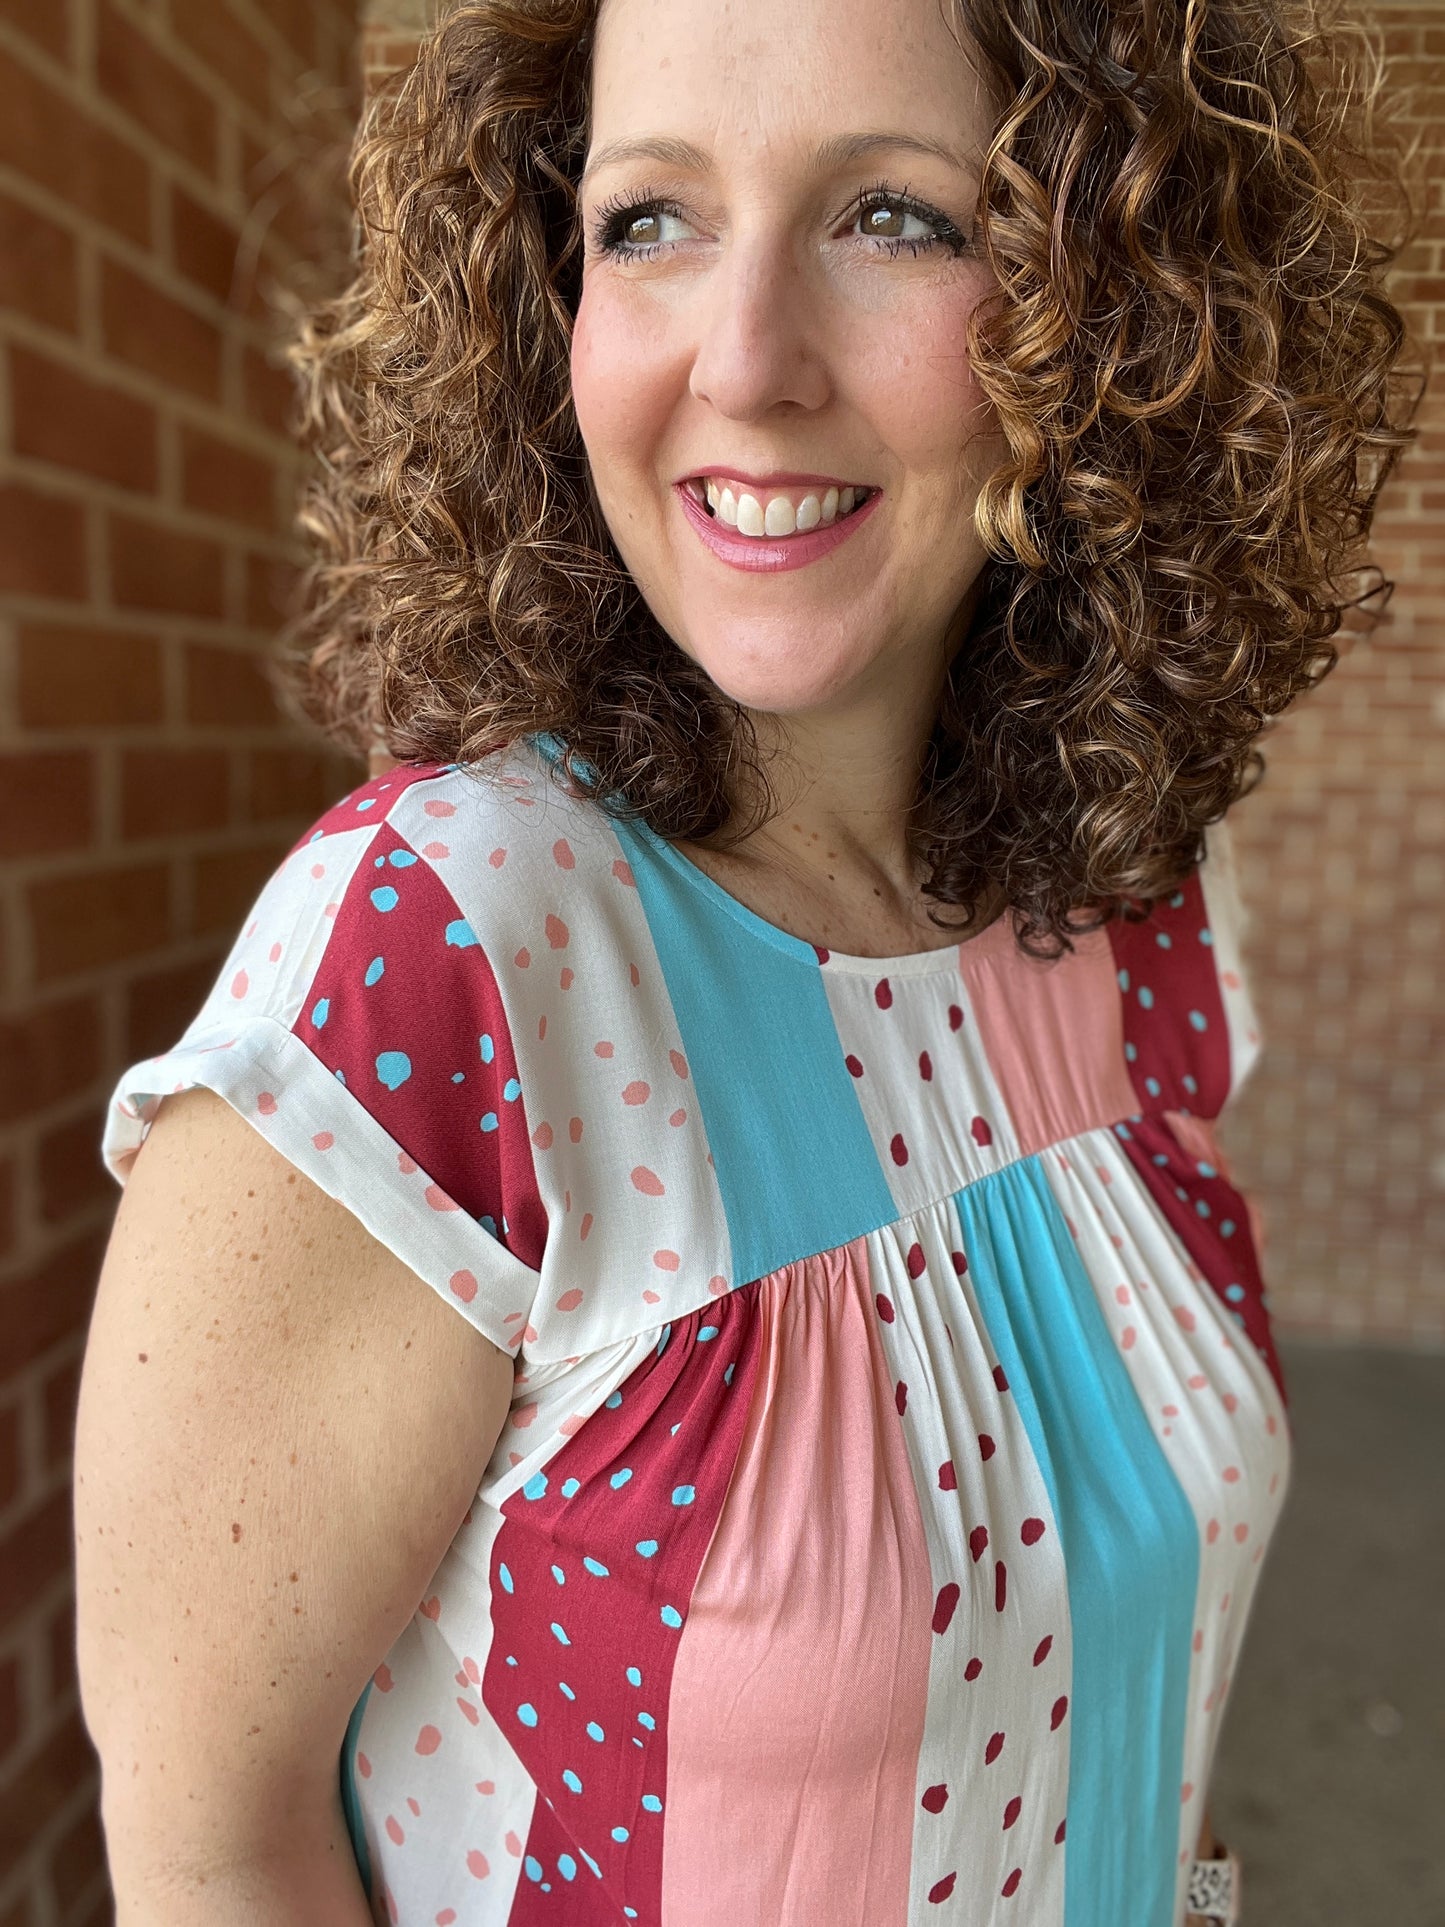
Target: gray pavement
(1330, 1776)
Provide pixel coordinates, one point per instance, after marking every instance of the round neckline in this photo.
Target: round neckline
(909, 963)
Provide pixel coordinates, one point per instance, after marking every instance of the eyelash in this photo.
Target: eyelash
(615, 216)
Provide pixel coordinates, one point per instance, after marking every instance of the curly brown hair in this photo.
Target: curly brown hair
(1193, 363)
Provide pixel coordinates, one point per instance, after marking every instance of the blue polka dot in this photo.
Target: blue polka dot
(385, 898)
(487, 1047)
(652, 1803)
(1176, 902)
(646, 1719)
(683, 1494)
(511, 1090)
(648, 1548)
(367, 803)
(594, 1731)
(378, 863)
(393, 1067)
(489, 1121)
(1206, 935)
(374, 971)
(1123, 980)
(1164, 940)
(460, 933)
(1151, 1084)
(559, 1634)
(1130, 1053)
(728, 1374)
(321, 1012)
(707, 1332)
(402, 859)
(504, 1574)
(596, 1568)
(1234, 1293)
(559, 1575)
(1226, 1229)
(569, 1486)
(536, 1486)
(673, 1430)
(527, 1713)
(1201, 1207)
(1198, 1019)
(316, 836)
(1189, 1084)
(670, 1616)
(612, 1401)
(567, 1866)
(569, 1779)
(533, 1867)
(620, 1478)
(634, 1676)
(341, 1078)
(1206, 1170)
(459, 1077)
(1146, 997)
(619, 1833)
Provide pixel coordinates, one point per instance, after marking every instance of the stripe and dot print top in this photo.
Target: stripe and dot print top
(896, 1433)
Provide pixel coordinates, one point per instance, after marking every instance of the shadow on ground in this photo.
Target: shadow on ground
(1330, 1777)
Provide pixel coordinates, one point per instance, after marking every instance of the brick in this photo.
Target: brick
(270, 392)
(61, 1642)
(11, 1455)
(51, 1301)
(37, 266)
(47, 801)
(61, 417)
(296, 22)
(173, 792)
(48, 1053)
(42, 543)
(228, 47)
(223, 480)
(160, 1004)
(45, 1784)
(144, 83)
(227, 687)
(272, 592)
(73, 678)
(227, 883)
(95, 920)
(289, 783)
(153, 567)
(69, 1172)
(33, 1553)
(206, 247)
(8, 1206)
(44, 136)
(62, 1391)
(153, 332)
(12, 1709)
(43, 21)
(80, 1855)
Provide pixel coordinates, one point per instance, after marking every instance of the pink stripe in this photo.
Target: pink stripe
(1054, 1038)
(799, 1692)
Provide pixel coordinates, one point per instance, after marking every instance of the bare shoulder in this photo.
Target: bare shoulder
(280, 1431)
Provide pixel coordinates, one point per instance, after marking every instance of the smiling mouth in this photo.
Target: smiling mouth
(779, 512)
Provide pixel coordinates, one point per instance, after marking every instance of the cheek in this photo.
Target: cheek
(616, 390)
(919, 380)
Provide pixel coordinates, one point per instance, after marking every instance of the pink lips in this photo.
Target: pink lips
(768, 553)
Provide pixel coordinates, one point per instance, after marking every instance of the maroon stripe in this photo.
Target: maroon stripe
(1176, 1035)
(433, 1002)
(676, 1422)
(1217, 1237)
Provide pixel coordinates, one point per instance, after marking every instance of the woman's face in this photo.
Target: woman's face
(774, 298)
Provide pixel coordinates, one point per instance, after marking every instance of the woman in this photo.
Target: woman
(682, 1382)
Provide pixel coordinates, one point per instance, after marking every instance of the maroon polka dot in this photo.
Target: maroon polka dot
(947, 1477)
(935, 1798)
(1000, 1587)
(925, 1066)
(1031, 1531)
(981, 1131)
(973, 1668)
(1041, 1651)
(900, 1397)
(885, 1308)
(1056, 1718)
(960, 1263)
(1011, 1885)
(942, 1889)
(820, 953)
(999, 1379)
(986, 1447)
(993, 1749)
(855, 1069)
(883, 994)
(955, 1017)
(978, 1542)
(1012, 1811)
(899, 1149)
(945, 1606)
(1059, 1834)
(917, 1263)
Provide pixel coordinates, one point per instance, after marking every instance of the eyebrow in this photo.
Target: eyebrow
(837, 152)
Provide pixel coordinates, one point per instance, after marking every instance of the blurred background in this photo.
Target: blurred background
(171, 183)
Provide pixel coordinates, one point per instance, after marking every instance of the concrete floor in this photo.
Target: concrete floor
(1330, 1776)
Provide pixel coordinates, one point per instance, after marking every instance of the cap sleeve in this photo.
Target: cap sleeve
(356, 1024)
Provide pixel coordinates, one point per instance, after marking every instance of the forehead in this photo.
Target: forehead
(771, 80)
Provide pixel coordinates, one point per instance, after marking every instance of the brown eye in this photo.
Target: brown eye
(880, 222)
(648, 224)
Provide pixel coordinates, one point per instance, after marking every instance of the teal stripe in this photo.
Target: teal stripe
(795, 1165)
(1129, 1540)
(350, 1804)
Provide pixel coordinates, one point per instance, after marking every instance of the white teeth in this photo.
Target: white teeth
(751, 516)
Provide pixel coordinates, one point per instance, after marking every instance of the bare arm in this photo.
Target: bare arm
(280, 1430)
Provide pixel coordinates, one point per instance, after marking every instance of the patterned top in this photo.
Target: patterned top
(896, 1431)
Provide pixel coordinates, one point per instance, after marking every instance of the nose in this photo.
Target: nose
(760, 335)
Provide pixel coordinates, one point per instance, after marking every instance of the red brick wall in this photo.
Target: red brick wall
(148, 153)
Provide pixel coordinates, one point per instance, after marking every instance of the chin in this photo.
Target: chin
(780, 674)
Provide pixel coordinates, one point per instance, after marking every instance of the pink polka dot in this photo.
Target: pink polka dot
(428, 1740)
(900, 1397)
(318, 869)
(570, 1299)
(477, 1864)
(584, 1227)
(651, 1298)
(565, 980)
(1231, 1474)
(1186, 1317)
(623, 873)
(558, 935)
(562, 854)
(717, 1285)
(574, 1129)
(637, 1092)
(436, 851)
(464, 1285)
(677, 1117)
(647, 1182)
(404, 1164)
(542, 1137)
(382, 1679)
(435, 806)
(1197, 1382)
(497, 859)
(1127, 1338)
(438, 1199)
(678, 1062)
(274, 953)
(393, 1830)
(1241, 1533)
(240, 984)
(266, 1103)
(666, 1260)
(1122, 1295)
(469, 1712)
(523, 958)
(323, 1140)
(363, 1766)
(1211, 1531)
(1199, 1641)
(603, 1048)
